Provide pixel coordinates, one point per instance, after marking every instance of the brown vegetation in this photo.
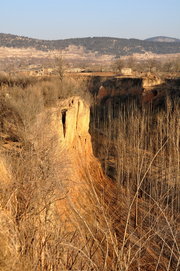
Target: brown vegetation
(139, 148)
(159, 65)
(57, 209)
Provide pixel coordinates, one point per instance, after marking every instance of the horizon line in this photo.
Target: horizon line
(85, 37)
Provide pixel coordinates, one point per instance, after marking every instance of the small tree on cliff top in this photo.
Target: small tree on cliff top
(60, 66)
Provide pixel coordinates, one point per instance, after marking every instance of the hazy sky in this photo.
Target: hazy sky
(57, 19)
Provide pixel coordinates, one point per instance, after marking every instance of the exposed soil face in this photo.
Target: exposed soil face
(120, 86)
(145, 89)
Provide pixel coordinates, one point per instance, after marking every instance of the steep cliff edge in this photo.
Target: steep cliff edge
(50, 209)
(78, 165)
(58, 154)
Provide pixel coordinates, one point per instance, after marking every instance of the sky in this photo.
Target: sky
(61, 19)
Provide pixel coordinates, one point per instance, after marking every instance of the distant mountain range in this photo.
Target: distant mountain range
(163, 39)
(101, 45)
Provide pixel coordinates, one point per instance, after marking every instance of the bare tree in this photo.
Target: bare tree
(60, 66)
(118, 65)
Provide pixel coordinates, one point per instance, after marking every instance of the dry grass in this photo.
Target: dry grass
(139, 148)
(127, 226)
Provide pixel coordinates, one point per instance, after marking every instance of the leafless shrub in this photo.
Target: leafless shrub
(51, 92)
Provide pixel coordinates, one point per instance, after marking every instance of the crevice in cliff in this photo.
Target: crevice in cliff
(63, 114)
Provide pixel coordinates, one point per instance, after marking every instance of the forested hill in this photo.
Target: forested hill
(102, 45)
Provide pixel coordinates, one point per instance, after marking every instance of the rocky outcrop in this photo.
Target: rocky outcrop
(74, 122)
(67, 126)
(151, 80)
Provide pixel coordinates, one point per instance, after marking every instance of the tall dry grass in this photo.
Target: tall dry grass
(139, 148)
(125, 226)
